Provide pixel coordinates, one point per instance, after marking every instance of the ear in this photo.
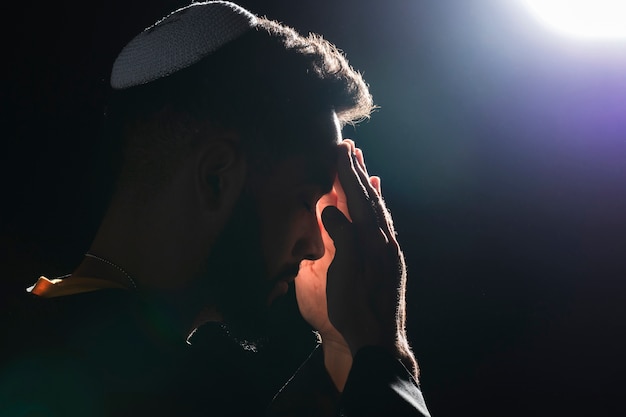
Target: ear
(220, 173)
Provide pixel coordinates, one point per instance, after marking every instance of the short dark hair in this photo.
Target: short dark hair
(260, 85)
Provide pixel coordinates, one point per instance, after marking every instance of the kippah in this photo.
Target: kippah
(179, 40)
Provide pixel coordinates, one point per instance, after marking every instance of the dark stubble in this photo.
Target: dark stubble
(237, 276)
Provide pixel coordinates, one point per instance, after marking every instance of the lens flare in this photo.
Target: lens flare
(591, 19)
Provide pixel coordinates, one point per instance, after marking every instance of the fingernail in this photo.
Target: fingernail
(376, 183)
(360, 157)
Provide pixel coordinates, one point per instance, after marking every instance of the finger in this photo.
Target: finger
(375, 181)
(328, 199)
(366, 177)
(361, 159)
(363, 201)
(341, 201)
(357, 196)
(337, 225)
(360, 165)
(383, 217)
(350, 144)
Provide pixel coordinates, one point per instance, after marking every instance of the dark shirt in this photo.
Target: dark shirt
(110, 353)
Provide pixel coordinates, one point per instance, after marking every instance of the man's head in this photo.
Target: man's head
(241, 144)
(263, 85)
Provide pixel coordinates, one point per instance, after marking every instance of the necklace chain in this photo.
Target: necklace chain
(119, 268)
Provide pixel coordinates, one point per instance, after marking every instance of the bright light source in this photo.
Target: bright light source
(595, 19)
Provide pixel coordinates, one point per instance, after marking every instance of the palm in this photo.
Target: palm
(311, 280)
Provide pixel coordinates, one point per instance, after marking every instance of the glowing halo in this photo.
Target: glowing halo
(591, 19)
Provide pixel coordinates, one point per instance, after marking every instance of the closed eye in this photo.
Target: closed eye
(309, 196)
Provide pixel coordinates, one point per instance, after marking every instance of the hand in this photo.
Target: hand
(366, 281)
(311, 280)
(311, 295)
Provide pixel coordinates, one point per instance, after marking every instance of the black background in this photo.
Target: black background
(501, 145)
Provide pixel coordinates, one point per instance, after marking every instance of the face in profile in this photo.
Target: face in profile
(273, 228)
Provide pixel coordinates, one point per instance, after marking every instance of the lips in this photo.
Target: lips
(281, 282)
(288, 274)
(289, 278)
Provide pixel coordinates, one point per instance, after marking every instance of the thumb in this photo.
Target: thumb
(335, 223)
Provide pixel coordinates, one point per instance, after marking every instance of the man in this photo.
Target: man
(234, 181)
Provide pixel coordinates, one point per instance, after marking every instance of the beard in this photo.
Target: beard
(237, 276)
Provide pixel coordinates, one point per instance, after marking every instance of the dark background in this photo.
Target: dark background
(501, 146)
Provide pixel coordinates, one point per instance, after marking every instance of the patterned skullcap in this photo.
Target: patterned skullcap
(179, 40)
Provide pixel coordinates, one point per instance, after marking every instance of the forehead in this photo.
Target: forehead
(307, 171)
(322, 128)
(314, 161)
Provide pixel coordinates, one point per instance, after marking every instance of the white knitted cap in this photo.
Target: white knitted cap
(179, 40)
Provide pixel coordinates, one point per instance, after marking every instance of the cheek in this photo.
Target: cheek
(280, 226)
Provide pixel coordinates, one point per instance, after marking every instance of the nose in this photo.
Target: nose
(310, 244)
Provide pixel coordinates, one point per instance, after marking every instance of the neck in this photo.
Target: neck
(116, 271)
(160, 245)
(175, 310)
(160, 264)
(177, 313)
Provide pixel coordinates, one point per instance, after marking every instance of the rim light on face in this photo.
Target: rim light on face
(589, 19)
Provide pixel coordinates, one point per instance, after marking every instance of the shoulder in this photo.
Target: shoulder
(38, 322)
(44, 357)
(92, 353)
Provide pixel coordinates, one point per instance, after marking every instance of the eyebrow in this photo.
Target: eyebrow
(321, 181)
(320, 174)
